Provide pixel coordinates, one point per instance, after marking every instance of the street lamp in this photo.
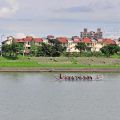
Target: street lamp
(1, 43)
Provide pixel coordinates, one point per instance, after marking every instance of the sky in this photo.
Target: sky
(58, 17)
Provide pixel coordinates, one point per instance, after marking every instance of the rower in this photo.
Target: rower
(60, 77)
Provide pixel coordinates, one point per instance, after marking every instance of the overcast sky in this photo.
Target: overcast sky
(59, 17)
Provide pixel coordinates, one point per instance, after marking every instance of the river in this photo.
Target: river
(39, 96)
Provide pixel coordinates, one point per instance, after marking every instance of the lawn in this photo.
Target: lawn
(61, 62)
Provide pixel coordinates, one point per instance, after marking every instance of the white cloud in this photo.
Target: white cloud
(8, 11)
(20, 35)
(59, 17)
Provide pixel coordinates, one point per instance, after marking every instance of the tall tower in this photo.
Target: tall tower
(85, 30)
(98, 30)
(99, 33)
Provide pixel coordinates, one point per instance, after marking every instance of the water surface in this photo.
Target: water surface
(39, 96)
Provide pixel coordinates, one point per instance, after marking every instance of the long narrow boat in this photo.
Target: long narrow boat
(79, 77)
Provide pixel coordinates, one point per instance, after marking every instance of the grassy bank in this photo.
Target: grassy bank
(61, 62)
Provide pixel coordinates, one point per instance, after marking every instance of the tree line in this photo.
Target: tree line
(53, 49)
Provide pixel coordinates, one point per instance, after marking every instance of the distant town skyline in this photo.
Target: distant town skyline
(59, 18)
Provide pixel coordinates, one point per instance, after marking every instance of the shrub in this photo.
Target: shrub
(74, 60)
(86, 54)
(97, 54)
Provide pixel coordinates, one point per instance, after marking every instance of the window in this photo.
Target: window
(28, 43)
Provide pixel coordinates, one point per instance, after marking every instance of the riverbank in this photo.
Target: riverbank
(60, 64)
(100, 70)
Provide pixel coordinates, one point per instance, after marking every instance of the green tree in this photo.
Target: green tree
(53, 49)
(44, 50)
(21, 48)
(33, 50)
(81, 46)
(110, 50)
(56, 48)
(11, 50)
(5, 49)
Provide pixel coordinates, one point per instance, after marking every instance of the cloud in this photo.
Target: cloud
(57, 16)
(20, 35)
(9, 9)
(77, 9)
(90, 6)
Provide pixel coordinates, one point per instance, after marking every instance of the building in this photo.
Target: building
(72, 42)
(63, 40)
(93, 41)
(9, 40)
(91, 34)
(97, 45)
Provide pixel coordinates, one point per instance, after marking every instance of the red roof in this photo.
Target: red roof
(62, 39)
(19, 40)
(109, 41)
(76, 40)
(86, 40)
(28, 39)
(99, 40)
(38, 40)
(50, 36)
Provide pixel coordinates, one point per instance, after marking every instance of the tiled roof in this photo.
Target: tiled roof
(108, 41)
(28, 39)
(19, 40)
(86, 40)
(62, 39)
(76, 40)
(38, 40)
(99, 40)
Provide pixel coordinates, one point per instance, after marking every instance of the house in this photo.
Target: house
(28, 41)
(92, 43)
(88, 43)
(9, 40)
(37, 41)
(118, 42)
(63, 40)
(108, 41)
(72, 43)
(98, 44)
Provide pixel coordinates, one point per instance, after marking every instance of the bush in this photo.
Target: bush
(83, 54)
(86, 54)
(97, 54)
(74, 60)
(75, 54)
(65, 54)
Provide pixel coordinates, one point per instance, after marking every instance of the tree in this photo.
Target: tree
(81, 46)
(44, 50)
(53, 49)
(11, 50)
(21, 48)
(110, 50)
(33, 50)
(56, 48)
(14, 48)
(5, 49)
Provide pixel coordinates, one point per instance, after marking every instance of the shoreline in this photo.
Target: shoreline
(98, 70)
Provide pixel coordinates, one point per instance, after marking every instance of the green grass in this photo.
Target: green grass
(18, 64)
(52, 65)
(60, 62)
(115, 56)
